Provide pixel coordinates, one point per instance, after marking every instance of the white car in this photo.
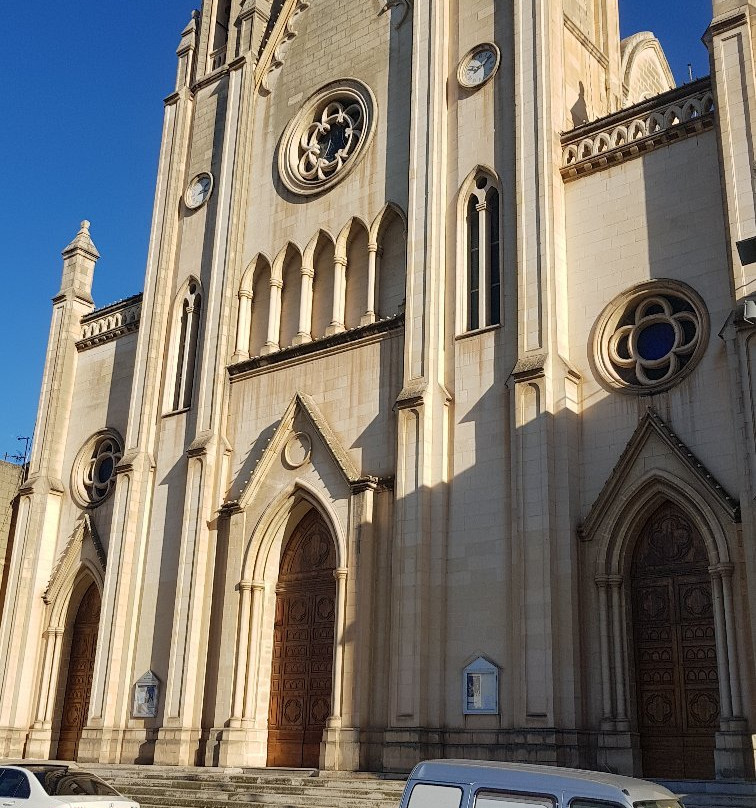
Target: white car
(488, 784)
(56, 785)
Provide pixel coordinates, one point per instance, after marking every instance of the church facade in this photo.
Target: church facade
(432, 432)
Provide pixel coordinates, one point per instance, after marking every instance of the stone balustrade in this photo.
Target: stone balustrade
(110, 322)
(637, 130)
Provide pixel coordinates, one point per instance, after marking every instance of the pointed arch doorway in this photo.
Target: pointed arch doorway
(302, 669)
(79, 675)
(677, 684)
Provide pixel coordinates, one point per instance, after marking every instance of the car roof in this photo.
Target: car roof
(529, 777)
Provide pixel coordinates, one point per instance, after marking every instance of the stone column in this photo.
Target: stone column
(338, 648)
(40, 737)
(243, 326)
(372, 284)
(253, 655)
(274, 317)
(240, 681)
(615, 583)
(339, 295)
(733, 666)
(241, 742)
(604, 631)
(305, 307)
(725, 693)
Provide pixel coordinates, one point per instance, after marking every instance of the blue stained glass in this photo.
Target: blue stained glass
(656, 341)
(105, 470)
(336, 139)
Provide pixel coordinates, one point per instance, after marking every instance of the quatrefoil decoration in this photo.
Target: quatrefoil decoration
(650, 337)
(658, 341)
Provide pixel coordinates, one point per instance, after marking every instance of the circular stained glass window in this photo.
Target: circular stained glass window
(324, 142)
(94, 474)
(650, 337)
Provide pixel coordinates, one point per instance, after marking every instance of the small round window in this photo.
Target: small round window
(324, 142)
(650, 337)
(95, 470)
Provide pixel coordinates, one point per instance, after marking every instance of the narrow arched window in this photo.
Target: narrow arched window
(483, 254)
(473, 267)
(221, 25)
(186, 353)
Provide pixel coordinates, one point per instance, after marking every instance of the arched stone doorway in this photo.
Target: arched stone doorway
(79, 674)
(676, 681)
(302, 668)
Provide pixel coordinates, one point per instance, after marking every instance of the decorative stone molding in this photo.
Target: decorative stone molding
(650, 337)
(297, 354)
(110, 323)
(298, 450)
(318, 429)
(70, 558)
(652, 423)
(325, 141)
(284, 40)
(637, 130)
(529, 368)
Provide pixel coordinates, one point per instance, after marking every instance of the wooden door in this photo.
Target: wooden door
(79, 677)
(677, 685)
(302, 671)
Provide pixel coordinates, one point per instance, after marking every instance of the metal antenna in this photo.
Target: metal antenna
(26, 441)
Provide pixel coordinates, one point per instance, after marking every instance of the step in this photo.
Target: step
(235, 791)
(225, 798)
(173, 787)
(236, 783)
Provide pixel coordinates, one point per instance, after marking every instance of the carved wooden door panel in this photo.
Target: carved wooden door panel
(301, 676)
(677, 685)
(80, 672)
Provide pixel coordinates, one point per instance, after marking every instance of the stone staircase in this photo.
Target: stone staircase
(173, 787)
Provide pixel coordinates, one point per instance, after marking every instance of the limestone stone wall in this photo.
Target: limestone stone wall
(104, 375)
(647, 219)
(11, 476)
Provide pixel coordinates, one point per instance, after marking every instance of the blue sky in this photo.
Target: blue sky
(83, 98)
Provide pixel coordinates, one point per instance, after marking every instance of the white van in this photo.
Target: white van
(483, 784)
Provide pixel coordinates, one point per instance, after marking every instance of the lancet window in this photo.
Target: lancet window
(187, 325)
(482, 225)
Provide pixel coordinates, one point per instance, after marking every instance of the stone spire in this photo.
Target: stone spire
(79, 259)
(186, 52)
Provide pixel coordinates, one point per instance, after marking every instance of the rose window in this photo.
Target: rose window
(95, 471)
(326, 139)
(650, 337)
(330, 142)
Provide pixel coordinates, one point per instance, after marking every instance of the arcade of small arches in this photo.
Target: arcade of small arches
(331, 286)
